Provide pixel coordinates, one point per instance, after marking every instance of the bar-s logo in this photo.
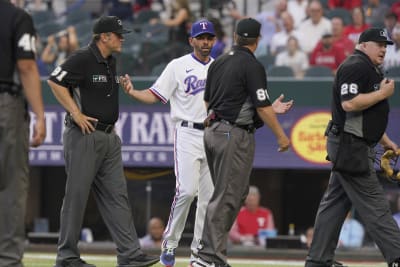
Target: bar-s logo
(99, 78)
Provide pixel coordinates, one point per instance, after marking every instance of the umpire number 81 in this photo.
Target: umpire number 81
(262, 94)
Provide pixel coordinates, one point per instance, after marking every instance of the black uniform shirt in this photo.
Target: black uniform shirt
(358, 75)
(236, 85)
(93, 82)
(17, 40)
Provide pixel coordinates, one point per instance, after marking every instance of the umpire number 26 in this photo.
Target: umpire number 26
(262, 94)
(351, 88)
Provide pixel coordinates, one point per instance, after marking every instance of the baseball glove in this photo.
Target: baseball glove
(388, 163)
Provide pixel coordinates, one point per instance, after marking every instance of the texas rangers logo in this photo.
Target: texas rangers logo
(194, 85)
(203, 25)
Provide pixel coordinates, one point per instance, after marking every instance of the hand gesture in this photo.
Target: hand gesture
(126, 83)
(281, 107)
(387, 87)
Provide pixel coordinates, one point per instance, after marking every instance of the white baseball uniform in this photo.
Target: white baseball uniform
(182, 83)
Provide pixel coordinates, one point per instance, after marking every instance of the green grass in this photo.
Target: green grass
(47, 260)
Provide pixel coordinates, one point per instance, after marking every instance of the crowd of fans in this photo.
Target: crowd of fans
(295, 33)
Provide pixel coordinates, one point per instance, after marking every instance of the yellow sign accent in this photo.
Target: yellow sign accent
(308, 140)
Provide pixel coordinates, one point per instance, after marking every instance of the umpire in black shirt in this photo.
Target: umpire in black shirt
(237, 101)
(359, 118)
(19, 85)
(86, 85)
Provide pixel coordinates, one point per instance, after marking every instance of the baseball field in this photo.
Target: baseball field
(47, 260)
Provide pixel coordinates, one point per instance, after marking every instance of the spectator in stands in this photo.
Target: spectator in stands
(179, 22)
(311, 30)
(279, 39)
(251, 218)
(155, 230)
(271, 23)
(352, 233)
(327, 54)
(297, 8)
(120, 8)
(348, 4)
(37, 5)
(141, 5)
(395, 8)
(339, 38)
(220, 43)
(293, 57)
(358, 25)
(390, 21)
(60, 46)
(42, 66)
(374, 10)
(392, 57)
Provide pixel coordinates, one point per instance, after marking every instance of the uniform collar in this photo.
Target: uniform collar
(243, 48)
(95, 50)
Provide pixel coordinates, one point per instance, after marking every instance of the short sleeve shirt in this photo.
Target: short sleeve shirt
(358, 75)
(17, 40)
(236, 85)
(182, 83)
(92, 81)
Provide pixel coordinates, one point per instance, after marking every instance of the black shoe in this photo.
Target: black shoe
(142, 260)
(75, 263)
(395, 263)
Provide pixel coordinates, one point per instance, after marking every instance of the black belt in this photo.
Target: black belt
(247, 127)
(11, 89)
(194, 125)
(107, 128)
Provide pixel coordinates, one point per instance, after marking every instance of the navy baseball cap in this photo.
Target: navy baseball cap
(248, 28)
(375, 35)
(109, 24)
(201, 27)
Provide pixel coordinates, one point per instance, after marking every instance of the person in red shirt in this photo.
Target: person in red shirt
(339, 39)
(395, 8)
(358, 25)
(327, 54)
(347, 4)
(251, 218)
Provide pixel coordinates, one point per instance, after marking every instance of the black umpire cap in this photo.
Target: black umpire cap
(374, 35)
(109, 24)
(248, 28)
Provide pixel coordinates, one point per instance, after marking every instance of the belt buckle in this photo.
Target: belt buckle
(190, 124)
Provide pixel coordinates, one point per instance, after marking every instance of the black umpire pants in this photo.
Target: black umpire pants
(366, 195)
(230, 154)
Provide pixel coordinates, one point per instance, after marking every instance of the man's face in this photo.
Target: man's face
(375, 51)
(114, 42)
(316, 12)
(202, 44)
